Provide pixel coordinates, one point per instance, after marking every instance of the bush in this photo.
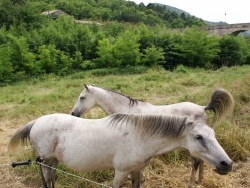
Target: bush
(181, 69)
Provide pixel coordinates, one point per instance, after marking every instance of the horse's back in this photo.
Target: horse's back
(53, 122)
(55, 125)
(187, 108)
(182, 109)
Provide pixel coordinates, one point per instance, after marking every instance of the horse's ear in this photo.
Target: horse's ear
(86, 87)
(198, 116)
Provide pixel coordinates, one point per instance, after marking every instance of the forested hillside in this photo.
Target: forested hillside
(130, 36)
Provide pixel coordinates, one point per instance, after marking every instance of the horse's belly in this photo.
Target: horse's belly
(86, 155)
(88, 164)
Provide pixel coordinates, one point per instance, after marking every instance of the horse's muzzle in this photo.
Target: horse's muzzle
(224, 167)
(75, 114)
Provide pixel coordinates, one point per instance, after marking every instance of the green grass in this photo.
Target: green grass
(25, 100)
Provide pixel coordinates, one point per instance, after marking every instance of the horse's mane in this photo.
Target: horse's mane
(132, 101)
(152, 125)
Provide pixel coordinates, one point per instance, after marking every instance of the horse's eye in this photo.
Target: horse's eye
(199, 137)
(81, 98)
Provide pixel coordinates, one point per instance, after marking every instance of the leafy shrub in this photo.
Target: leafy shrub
(181, 69)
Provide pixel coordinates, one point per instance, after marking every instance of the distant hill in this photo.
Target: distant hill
(173, 9)
(180, 11)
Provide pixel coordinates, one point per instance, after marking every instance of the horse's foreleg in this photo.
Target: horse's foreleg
(195, 164)
(201, 171)
(135, 179)
(142, 178)
(119, 178)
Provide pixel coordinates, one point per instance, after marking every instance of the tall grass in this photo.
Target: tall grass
(25, 100)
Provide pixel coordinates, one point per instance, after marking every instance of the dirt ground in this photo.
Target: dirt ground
(239, 178)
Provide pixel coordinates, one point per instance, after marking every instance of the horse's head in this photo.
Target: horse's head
(202, 144)
(85, 102)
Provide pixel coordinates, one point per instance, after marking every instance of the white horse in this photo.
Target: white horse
(123, 142)
(221, 103)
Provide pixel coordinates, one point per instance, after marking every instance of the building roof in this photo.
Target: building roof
(54, 12)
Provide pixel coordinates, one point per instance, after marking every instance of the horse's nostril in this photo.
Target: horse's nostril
(75, 114)
(225, 164)
(224, 167)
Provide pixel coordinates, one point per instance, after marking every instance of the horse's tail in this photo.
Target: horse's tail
(22, 136)
(221, 103)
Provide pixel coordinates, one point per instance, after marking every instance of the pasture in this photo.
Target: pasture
(27, 100)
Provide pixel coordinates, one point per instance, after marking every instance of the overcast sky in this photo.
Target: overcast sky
(230, 11)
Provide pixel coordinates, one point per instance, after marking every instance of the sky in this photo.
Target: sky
(230, 11)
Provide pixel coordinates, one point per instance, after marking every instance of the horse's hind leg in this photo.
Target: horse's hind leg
(195, 164)
(48, 176)
(53, 170)
(135, 178)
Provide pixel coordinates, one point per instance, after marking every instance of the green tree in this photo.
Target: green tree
(126, 50)
(20, 2)
(122, 52)
(47, 58)
(6, 12)
(153, 56)
(64, 64)
(197, 48)
(78, 59)
(105, 53)
(129, 15)
(6, 68)
(15, 13)
(22, 59)
(233, 51)
(183, 16)
(178, 23)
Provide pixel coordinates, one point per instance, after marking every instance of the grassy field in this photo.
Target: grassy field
(27, 100)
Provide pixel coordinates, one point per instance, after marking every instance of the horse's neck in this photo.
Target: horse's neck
(157, 146)
(168, 144)
(115, 103)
